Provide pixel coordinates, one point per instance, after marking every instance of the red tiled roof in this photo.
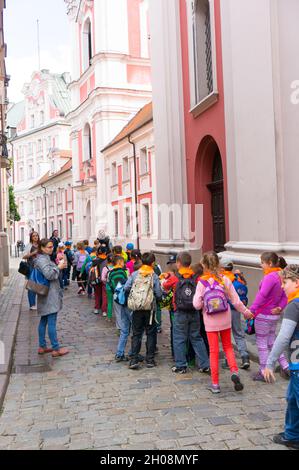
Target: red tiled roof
(144, 116)
(47, 177)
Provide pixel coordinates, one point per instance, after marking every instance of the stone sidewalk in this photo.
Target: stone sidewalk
(87, 401)
(10, 305)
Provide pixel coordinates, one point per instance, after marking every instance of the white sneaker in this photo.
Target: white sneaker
(96, 312)
(104, 314)
(34, 307)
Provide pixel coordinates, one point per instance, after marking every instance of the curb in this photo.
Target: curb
(9, 330)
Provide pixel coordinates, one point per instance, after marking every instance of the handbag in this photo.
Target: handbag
(24, 269)
(250, 327)
(38, 283)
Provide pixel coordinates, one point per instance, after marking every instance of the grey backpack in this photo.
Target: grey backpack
(142, 294)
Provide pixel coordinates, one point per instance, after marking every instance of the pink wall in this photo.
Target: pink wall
(134, 27)
(210, 123)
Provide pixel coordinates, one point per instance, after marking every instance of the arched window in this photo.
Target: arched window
(87, 44)
(87, 143)
(202, 37)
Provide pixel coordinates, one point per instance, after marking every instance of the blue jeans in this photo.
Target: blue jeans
(186, 326)
(49, 320)
(125, 321)
(31, 298)
(292, 416)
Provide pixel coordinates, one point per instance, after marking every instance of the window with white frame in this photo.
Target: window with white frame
(87, 153)
(21, 174)
(52, 226)
(128, 221)
(60, 227)
(87, 44)
(146, 224)
(42, 118)
(116, 227)
(39, 145)
(113, 174)
(30, 172)
(32, 121)
(126, 174)
(143, 161)
(70, 228)
(30, 148)
(202, 49)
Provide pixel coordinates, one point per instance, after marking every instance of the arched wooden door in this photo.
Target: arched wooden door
(216, 188)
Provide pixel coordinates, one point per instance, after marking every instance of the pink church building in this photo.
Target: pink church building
(111, 81)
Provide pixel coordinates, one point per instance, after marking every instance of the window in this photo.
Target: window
(128, 221)
(126, 175)
(30, 148)
(87, 153)
(32, 121)
(60, 227)
(113, 174)
(41, 118)
(38, 228)
(39, 145)
(30, 172)
(22, 208)
(22, 234)
(52, 226)
(21, 174)
(70, 228)
(116, 223)
(87, 44)
(143, 161)
(38, 170)
(146, 220)
(49, 143)
(202, 43)
(45, 230)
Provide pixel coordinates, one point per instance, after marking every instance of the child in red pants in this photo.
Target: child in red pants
(219, 323)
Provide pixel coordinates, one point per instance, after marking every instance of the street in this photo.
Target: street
(87, 401)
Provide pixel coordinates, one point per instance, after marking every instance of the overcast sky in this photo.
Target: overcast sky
(20, 30)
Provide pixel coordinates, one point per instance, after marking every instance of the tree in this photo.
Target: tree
(14, 215)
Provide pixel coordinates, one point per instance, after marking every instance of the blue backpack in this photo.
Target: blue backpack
(241, 289)
(38, 283)
(120, 296)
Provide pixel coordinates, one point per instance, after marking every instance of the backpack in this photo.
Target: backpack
(94, 277)
(241, 289)
(141, 296)
(215, 300)
(184, 293)
(81, 260)
(120, 296)
(115, 276)
(38, 283)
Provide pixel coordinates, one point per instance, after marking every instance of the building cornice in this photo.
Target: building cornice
(37, 131)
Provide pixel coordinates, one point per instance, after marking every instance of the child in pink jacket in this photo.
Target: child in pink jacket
(219, 323)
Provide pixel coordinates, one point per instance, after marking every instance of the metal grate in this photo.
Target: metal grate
(209, 60)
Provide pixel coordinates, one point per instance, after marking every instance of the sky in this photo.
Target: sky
(20, 35)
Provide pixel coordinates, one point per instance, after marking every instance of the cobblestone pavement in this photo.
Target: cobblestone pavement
(87, 401)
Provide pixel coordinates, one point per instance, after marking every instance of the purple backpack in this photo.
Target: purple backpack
(214, 298)
(81, 261)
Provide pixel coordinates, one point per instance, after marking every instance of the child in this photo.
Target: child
(86, 269)
(79, 260)
(267, 307)
(144, 287)
(104, 277)
(60, 256)
(100, 289)
(186, 319)
(288, 338)
(118, 251)
(116, 275)
(87, 247)
(169, 275)
(70, 258)
(211, 295)
(240, 286)
(129, 248)
(135, 256)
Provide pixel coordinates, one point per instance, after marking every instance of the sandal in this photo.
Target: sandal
(42, 351)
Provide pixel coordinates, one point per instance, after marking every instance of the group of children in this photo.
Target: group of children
(204, 303)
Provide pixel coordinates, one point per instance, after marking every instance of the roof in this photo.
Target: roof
(15, 114)
(48, 177)
(144, 116)
(61, 95)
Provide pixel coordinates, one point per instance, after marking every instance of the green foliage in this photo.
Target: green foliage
(14, 215)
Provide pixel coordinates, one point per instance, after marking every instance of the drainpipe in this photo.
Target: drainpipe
(46, 210)
(135, 191)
